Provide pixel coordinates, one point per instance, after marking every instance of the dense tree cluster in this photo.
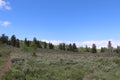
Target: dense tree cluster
(62, 46)
(4, 39)
(103, 49)
(27, 42)
(37, 42)
(51, 46)
(15, 42)
(70, 47)
(87, 49)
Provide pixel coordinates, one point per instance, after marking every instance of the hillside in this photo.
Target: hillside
(62, 65)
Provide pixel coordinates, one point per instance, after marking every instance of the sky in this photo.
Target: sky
(81, 21)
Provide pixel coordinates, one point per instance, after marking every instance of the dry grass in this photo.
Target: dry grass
(63, 65)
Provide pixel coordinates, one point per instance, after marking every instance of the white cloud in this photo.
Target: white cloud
(4, 5)
(5, 23)
(99, 43)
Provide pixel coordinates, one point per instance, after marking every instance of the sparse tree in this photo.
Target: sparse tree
(4, 39)
(118, 49)
(51, 46)
(37, 42)
(45, 45)
(24, 48)
(27, 42)
(70, 47)
(81, 49)
(62, 46)
(110, 48)
(13, 40)
(33, 47)
(87, 49)
(103, 49)
(74, 48)
(17, 43)
(94, 50)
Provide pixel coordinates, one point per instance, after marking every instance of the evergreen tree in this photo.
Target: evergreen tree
(51, 46)
(24, 47)
(110, 48)
(62, 46)
(17, 43)
(37, 42)
(118, 49)
(70, 47)
(94, 48)
(4, 39)
(26, 42)
(13, 41)
(33, 47)
(103, 49)
(45, 45)
(74, 48)
(87, 49)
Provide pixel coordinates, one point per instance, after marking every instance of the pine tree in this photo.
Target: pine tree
(33, 47)
(51, 46)
(118, 49)
(24, 47)
(70, 47)
(110, 48)
(103, 49)
(87, 49)
(37, 42)
(45, 45)
(13, 41)
(17, 43)
(26, 42)
(4, 39)
(94, 48)
(74, 48)
(62, 46)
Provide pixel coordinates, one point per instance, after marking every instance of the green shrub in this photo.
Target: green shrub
(117, 61)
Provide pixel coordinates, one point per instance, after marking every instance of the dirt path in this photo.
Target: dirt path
(5, 67)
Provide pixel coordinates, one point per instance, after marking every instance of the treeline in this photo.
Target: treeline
(70, 47)
(15, 42)
(39, 44)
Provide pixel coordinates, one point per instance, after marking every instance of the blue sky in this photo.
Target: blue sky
(66, 20)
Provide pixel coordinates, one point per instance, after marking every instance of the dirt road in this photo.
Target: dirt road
(5, 67)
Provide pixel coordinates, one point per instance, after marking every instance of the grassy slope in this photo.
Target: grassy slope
(4, 52)
(63, 65)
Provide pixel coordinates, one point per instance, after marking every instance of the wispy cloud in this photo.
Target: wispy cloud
(99, 43)
(4, 5)
(5, 23)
